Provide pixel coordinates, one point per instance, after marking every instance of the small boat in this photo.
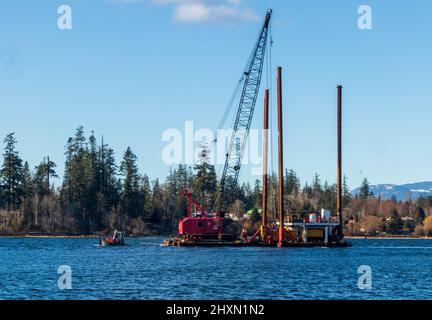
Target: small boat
(116, 239)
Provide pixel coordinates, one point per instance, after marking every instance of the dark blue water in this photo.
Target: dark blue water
(401, 269)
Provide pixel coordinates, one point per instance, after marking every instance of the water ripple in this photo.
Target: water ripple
(145, 270)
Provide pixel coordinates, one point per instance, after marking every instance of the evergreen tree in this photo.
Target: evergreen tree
(257, 194)
(76, 196)
(346, 193)
(11, 174)
(316, 186)
(183, 179)
(248, 196)
(419, 215)
(157, 202)
(395, 223)
(292, 182)
(364, 189)
(130, 197)
(43, 173)
(329, 195)
(308, 190)
(205, 182)
(146, 196)
(110, 184)
(27, 187)
(96, 199)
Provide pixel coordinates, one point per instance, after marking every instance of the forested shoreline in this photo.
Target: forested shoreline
(98, 194)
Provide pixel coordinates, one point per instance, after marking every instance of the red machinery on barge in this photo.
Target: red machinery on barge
(199, 225)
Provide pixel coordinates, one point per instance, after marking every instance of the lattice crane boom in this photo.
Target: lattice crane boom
(251, 84)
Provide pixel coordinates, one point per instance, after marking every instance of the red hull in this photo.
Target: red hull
(111, 242)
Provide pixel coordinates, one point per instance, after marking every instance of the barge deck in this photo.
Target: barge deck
(171, 242)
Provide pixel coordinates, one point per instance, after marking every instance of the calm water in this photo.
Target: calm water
(402, 269)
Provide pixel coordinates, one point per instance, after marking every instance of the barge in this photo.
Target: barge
(306, 233)
(201, 228)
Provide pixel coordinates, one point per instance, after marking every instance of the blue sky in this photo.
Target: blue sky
(130, 69)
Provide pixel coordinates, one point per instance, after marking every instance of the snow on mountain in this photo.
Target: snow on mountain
(402, 192)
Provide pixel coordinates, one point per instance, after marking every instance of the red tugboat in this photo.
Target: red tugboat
(116, 239)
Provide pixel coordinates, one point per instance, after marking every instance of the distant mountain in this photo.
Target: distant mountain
(402, 192)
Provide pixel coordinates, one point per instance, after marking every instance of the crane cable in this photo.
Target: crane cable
(230, 104)
(236, 95)
(228, 110)
(233, 101)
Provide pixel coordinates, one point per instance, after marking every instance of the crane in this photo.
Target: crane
(209, 225)
(245, 110)
(202, 228)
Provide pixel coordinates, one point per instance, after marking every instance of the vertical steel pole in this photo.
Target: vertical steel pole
(265, 158)
(339, 160)
(280, 156)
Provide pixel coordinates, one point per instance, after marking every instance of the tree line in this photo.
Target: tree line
(98, 194)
